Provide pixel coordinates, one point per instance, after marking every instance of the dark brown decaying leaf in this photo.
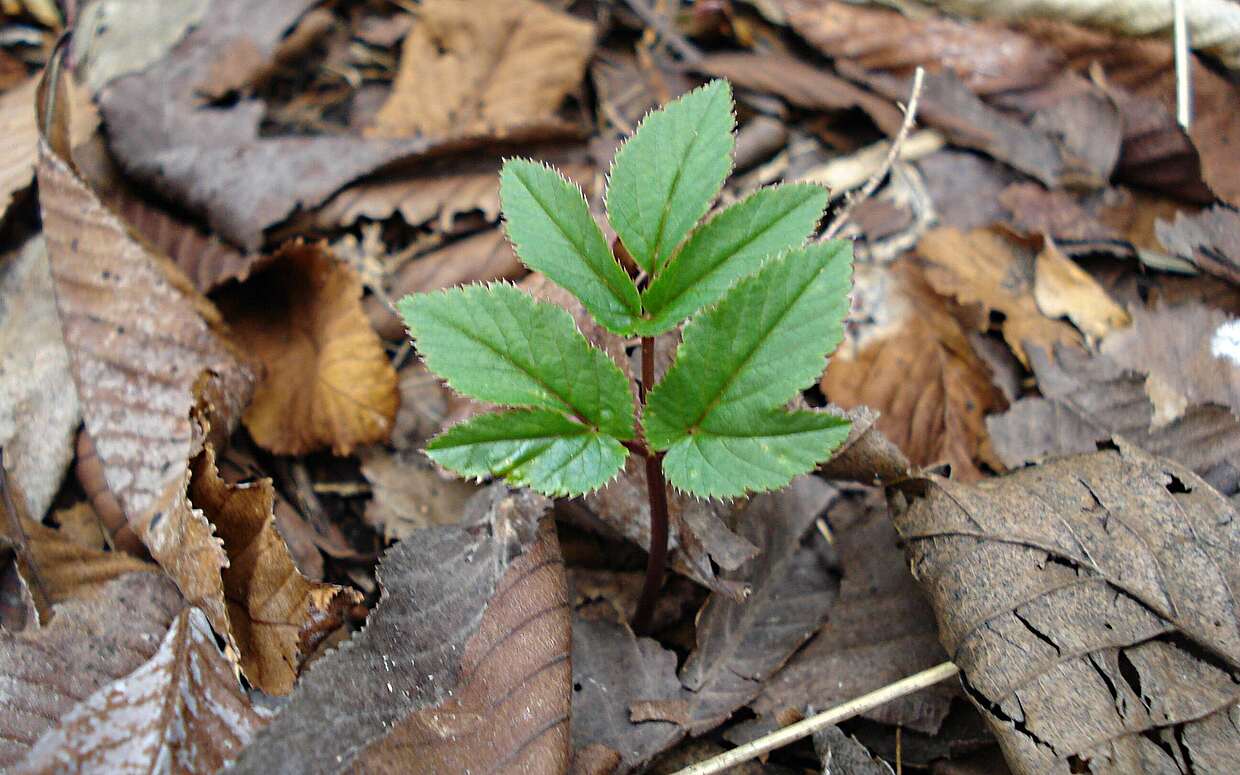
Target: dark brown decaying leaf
(510, 709)
(1090, 605)
(90, 642)
(328, 382)
(612, 669)
(742, 644)
(1088, 399)
(880, 630)
(1089, 129)
(145, 349)
(435, 594)
(182, 710)
(1211, 240)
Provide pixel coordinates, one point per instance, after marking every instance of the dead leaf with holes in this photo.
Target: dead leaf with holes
(1090, 604)
(980, 267)
(913, 363)
(183, 709)
(328, 381)
(486, 66)
(89, 643)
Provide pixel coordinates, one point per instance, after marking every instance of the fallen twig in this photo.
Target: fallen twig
(910, 115)
(809, 726)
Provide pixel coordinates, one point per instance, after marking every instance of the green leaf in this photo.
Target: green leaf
(665, 177)
(729, 246)
(539, 449)
(747, 356)
(752, 453)
(496, 344)
(553, 232)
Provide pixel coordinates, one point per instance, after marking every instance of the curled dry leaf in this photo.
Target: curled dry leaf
(275, 615)
(1189, 353)
(866, 456)
(1088, 399)
(146, 353)
(509, 711)
(1063, 289)
(1090, 603)
(486, 66)
(880, 630)
(980, 267)
(1210, 240)
(89, 643)
(328, 381)
(20, 133)
(39, 412)
(908, 337)
(181, 711)
(409, 657)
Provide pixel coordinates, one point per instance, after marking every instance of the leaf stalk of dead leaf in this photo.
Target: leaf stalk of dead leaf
(809, 726)
(893, 153)
(656, 490)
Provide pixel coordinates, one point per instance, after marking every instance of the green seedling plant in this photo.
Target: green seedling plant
(761, 309)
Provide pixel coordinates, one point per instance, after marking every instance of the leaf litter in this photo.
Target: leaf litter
(1049, 272)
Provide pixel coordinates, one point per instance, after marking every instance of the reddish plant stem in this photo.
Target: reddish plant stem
(656, 489)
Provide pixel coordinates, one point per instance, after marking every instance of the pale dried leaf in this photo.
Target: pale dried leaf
(114, 37)
(435, 594)
(980, 267)
(1090, 604)
(182, 711)
(89, 643)
(20, 133)
(328, 381)
(1063, 289)
(1210, 240)
(39, 412)
(485, 66)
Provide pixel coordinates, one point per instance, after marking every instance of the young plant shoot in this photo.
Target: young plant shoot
(761, 310)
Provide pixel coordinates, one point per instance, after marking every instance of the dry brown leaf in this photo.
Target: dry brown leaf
(1189, 353)
(965, 187)
(840, 753)
(409, 493)
(1088, 399)
(880, 630)
(917, 369)
(89, 643)
(39, 412)
(276, 617)
(181, 711)
(1063, 289)
(510, 709)
(151, 368)
(986, 56)
(1090, 603)
(436, 590)
(81, 525)
(328, 380)
(484, 66)
(866, 456)
(1210, 240)
(20, 133)
(980, 267)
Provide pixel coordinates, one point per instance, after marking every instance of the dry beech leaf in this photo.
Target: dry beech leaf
(510, 709)
(20, 133)
(1087, 399)
(488, 65)
(39, 413)
(988, 57)
(181, 711)
(1210, 240)
(612, 669)
(980, 267)
(436, 590)
(1090, 604)
(409, 494)
(276, 616)
(146, 353)
(328, 381)
(917, 369)
(1189, 353)
(880, 630)
(1063, 289)
(89, 643)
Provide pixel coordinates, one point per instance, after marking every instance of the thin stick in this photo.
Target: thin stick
(686, 50)
(656, 489)
(1183, 82)
(825, 719)
(893, 153)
